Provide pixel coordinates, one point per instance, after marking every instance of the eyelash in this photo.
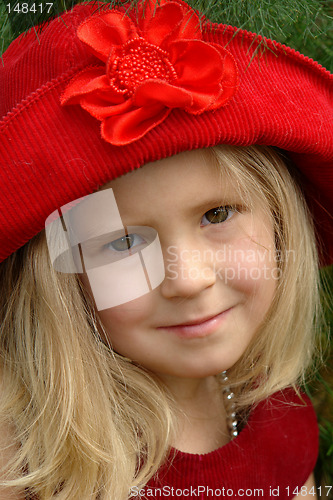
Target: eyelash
(219, 210)
(127, 238)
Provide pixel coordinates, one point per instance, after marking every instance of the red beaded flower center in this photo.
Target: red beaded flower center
(139, 61)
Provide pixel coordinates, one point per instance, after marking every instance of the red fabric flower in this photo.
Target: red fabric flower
(151, 65)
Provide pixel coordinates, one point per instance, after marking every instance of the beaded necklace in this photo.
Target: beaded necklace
(230, 406)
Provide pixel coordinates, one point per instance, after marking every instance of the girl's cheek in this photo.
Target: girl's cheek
(130, 313)
(248, 261)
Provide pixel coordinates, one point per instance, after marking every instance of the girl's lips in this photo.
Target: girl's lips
(197, 329)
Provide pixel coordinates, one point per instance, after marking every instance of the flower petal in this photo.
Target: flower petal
(158, 91)
(85, 82)
(230, 80)
(170, 20)
(129, 127)
(106, 30)
(163, 23)
(230, 71)
(196, 62)
(101, 109)
(200, 68)
(188, 28)
(161, 19)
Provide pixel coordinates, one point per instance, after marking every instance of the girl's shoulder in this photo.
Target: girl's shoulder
(282, 439)
(288, 417)
(283, 430)
(275, 451)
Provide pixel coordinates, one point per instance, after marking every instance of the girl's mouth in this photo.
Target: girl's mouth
(197, 328)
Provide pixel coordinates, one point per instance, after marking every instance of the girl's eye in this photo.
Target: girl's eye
(217, 215)
(125, 243)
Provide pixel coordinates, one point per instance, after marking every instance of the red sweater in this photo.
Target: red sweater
(272, 456)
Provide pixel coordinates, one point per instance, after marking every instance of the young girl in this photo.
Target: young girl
(156, 321)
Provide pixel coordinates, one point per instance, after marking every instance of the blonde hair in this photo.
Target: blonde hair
(287, 344)
(88, 422)
(91, 424)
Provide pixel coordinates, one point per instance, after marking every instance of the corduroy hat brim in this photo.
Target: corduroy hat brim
(51, 154)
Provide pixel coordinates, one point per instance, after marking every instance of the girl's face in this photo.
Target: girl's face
(219, 263)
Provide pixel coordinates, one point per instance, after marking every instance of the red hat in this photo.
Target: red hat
(100, 93)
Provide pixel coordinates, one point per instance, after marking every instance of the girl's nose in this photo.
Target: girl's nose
(187, 272)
